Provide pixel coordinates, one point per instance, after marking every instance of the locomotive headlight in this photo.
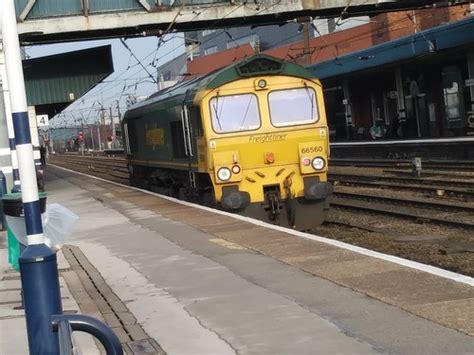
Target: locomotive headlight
(262, 84)
(318, 163)
(224, 174)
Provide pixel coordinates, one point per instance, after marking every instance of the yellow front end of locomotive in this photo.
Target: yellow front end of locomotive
(256, 167)
(267, 141)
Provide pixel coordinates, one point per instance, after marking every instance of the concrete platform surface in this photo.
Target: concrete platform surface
(201, 283)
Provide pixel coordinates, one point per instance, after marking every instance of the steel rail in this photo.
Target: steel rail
(96, 168)
(422, 188)
(432, 164)
(401, 201)
(404, 179)
(394, 213)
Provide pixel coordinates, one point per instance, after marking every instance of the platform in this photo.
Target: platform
(196, 281)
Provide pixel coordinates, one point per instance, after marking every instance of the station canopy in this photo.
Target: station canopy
(424, 43)
(54, 82)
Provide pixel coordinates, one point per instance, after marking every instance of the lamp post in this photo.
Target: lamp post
(38, 263)
(11, 133)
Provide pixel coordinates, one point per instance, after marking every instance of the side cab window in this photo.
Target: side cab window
(196, 121)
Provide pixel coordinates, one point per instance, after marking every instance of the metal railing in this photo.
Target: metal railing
(66, 324)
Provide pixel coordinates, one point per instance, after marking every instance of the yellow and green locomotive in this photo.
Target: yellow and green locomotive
(250, 138)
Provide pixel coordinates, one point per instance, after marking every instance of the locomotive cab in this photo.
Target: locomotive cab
(267, 143)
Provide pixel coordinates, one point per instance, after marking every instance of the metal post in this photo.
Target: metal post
(119, 115)
(113, 127)
(34, 136)
(307, 49)
(470, 81)
(91, 129)
(98, 128)
(118, 112)
(3, 190)
(11, 132)
(38, 263)
(348, 109)
(400, 95)
(36, 146)
(5, 160)
(83, 142)
(64, 134)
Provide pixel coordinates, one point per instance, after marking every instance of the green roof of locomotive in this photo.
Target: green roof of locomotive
(258, 65)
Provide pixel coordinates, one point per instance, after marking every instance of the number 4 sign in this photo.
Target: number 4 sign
(42, 120)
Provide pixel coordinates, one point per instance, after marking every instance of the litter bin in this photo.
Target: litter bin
(16, 229)
(3, 191)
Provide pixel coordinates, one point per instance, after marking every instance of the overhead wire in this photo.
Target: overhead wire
(431, 45)
(167, 30)
(209, 27)
(138, 60)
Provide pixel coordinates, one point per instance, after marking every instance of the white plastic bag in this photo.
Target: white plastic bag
(58, 222)
(57, 225)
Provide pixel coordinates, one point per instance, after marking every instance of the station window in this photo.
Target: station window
(210, 50)
(235, 113)
(167, 75)
(293, 107)
(451, 101)
(453, 97)
(207, 32)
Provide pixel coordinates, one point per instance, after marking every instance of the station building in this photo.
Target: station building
(418, 87)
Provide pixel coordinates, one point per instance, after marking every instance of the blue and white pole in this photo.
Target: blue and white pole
(11, 133)
(38, 263)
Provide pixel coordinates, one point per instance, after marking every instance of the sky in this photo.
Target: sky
(128, 76)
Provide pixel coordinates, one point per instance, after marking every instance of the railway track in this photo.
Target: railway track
(437, 205)
(426, 173)
(114, 169)
(433, 186)
(459, 165)
(459, 216)
(465, 184)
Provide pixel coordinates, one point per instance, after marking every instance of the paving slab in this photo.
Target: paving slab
(13, 336)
